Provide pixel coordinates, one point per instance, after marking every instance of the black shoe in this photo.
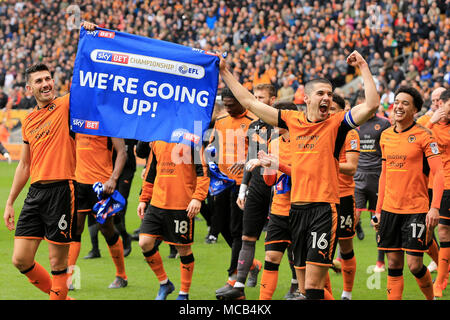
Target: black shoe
(297, 296)
(211, 239)
(293, 291)
(94, 253)
(359, 231)
(173, 252)
(135, 235)
(233, 294)
(127, 245)
(118, 282)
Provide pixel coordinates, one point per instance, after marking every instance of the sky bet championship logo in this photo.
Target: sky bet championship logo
(148, 63)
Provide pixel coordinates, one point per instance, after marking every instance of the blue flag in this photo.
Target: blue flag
(218, 181)
(283, 184)
(133, 87)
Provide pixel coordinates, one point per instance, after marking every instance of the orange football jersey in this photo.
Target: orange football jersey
(233, 142)
(346, 182)
(423, 120)
(147, 187)
(442, 134)
(281, 203)
(407, 168)
(315, 150)
(94, 158)
(52, 147)
(176, 176)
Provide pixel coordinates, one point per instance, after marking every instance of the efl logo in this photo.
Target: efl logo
(106, 34)
(183, 69)
(93, 125)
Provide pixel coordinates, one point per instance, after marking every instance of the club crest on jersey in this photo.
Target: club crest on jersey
(377, 127)
(411, 138)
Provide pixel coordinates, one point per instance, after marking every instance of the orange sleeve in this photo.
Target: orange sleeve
(146, 193)
(202, 186)
(285, 168)
(201, 190)
(429, 125)
(270, 176)
(438, 181)
(147, 187)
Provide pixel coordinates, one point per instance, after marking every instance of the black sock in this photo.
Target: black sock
(315, 294)
(245, 260)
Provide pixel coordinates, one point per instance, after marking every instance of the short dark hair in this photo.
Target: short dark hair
(309, 85)
(227, 93)
(445, 95)
(340, 101)
(285, 105)
(35, 68)
(414, 93)
(268, 87)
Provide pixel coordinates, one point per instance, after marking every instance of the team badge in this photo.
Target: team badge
(434, 148)
(411, 138)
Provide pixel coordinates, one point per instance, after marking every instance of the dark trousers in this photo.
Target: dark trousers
(227, 220)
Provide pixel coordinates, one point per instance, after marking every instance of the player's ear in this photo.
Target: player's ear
(306, 98)
(272, 100)
(28, 88)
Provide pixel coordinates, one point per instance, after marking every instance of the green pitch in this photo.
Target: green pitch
(211, 262)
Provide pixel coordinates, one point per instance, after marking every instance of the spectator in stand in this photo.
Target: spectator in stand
(3, 98)
(412, 73)
(286, 92)
(418, 62)
(376, 63)
(396, 74)
(387, 96)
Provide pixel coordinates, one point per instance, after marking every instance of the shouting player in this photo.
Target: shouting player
(316, 139)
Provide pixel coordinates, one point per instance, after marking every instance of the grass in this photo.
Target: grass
(211, 262)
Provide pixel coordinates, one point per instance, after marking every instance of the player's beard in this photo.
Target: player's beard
(46, 95)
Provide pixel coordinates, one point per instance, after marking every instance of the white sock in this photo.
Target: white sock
(346, 294)
(232, 277)
(239, 285)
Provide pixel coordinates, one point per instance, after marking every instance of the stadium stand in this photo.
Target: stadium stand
(285, 43)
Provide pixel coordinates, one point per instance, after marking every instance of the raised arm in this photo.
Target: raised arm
(246, 98)
(363, 112)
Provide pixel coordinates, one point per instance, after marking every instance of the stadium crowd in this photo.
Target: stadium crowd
(285, 43)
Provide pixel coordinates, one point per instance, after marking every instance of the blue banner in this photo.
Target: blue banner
(129, 86)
